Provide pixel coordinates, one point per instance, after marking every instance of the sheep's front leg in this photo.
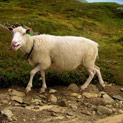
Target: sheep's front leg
(32, 73)
(44, 86)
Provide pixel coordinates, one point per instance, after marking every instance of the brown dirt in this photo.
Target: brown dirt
(24, 115)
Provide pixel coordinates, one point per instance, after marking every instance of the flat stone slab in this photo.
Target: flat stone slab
(118, 97)
(112, 119)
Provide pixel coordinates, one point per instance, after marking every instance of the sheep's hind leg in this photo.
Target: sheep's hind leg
(32, 73)
(99, 75)
(44, 86)
(92, 73)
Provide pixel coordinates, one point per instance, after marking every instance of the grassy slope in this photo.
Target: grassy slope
(102, 22)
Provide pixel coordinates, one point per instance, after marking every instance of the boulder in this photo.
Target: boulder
(73, 87)
(104, 110)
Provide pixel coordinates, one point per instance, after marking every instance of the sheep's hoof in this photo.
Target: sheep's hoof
(28, 89)
(83, 87)
(103, 85)
(42, 90)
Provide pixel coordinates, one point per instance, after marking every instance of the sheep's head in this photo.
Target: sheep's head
(18, 37)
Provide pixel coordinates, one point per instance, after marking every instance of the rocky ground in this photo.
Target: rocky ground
(61, 104)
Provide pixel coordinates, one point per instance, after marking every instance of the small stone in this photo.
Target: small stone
(16, 93)
(5, 101)
(8, 113)
(74, 107)
(57, 109)
(16, 98)
(69, 113)
(104, 110)
(120, 111)
(90, 95)
(42, 96)
(114, 110)
(73, 87)
(99, 113)
(109, 106)
(33, 118)
(93, 112)
(52, 91)
(14, 118)
(121, 89)
(24, 120)
(63, 103)
(36, 101)
(52, 98)
(78, 96)
(93, 107)
(86, 112)
(118, 97)
(108, 100)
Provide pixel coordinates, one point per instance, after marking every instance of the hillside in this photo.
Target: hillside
(101, 22)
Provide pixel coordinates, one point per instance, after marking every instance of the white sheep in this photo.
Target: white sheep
(62, 53)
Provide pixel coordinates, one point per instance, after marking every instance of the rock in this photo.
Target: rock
(86, 112)
(73, 87)
(90, 95)
(120, 111)
(63, 103)
(117, 97)
(57, 109)
(121, 89)
(52, 98)
(101, 93)
(93, 107)
(13, 92)
(69, 113)
(42, 96)
(27, 101)
(5, 101)
(108, 100)
(36, 101)
(52, 91)
(73, 106)
(78, 96)
(109, 106)
(24, 120)
(14, 118)
(93, 112)
(8, 113)
(92, 89)
(114, 110)
(111, 119)
(120, 102)
(104, 110)
(17, 99)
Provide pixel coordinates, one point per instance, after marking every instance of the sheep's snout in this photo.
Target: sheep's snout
(15, 45)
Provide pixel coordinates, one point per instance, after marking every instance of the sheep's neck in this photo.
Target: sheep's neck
(28, 45)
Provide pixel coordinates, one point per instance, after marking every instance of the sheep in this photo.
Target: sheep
(61, 53)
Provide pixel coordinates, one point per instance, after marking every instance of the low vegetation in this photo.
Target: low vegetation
(101, 22)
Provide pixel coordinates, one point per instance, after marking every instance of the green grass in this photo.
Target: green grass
(101, 22)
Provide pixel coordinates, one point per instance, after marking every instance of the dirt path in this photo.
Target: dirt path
(62, 104)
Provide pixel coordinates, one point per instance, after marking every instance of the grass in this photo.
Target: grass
(101, 22)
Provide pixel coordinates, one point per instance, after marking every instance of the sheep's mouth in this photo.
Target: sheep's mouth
(15, 47)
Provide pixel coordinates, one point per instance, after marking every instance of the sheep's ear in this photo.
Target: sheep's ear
(10, 29)
(28, 31)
